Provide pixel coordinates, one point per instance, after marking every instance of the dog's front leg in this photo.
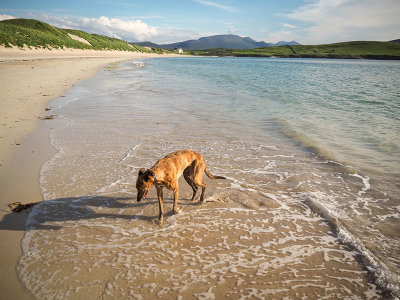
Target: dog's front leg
(160, 204)
(176, 209)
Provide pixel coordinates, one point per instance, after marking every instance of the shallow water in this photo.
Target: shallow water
(310, 208)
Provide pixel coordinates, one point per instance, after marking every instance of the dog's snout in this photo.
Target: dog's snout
(141, 195)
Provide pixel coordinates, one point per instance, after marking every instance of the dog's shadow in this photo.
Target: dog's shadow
(83, 208)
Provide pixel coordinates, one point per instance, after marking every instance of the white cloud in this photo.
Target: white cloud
(128, 30)
(230, 27)
(227, 8)
(345, 20)
(167, 35)
(288, 26)
(6, 17)
(134, 30)
(282, 35)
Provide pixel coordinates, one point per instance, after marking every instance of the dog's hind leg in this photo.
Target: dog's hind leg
(187, 175)
(203, 189)
(198, 170)
(198, 181)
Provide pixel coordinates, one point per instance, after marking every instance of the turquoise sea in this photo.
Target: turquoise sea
(347, 109)
(311, 207)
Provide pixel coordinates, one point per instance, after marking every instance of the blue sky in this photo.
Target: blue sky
(165, 21)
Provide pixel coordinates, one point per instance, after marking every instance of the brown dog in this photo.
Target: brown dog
(167, 171)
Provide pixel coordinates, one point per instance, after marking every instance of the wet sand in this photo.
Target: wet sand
(29, 80)
(260, 233)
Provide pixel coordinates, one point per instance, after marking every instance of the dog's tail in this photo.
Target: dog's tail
(209, 175)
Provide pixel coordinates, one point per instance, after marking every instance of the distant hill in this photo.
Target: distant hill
(228, 41)
(283, 43)
(360, 49)
(38, 34)
(147, 44)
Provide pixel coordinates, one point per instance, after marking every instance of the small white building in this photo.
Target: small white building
(178, 50)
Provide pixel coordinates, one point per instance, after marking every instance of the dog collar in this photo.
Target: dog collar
(154, 175)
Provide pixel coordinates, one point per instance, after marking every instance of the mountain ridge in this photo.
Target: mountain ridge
(229, 41)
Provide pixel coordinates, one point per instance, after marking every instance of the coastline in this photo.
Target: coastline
(35, 76)
(274, 208)
(30, 79)
(346, 50)
(45, 243)
(331, 56)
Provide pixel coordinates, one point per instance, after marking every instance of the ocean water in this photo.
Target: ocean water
(311, 207)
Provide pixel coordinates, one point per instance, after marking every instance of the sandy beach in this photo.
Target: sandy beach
(288, 222)
(29, 79)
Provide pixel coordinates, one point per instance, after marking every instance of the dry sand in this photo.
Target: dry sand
(29, 79)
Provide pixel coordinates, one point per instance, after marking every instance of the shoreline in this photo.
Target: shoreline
(30, 80)
(35, 76)
(17, 54)
(91, 218)
(370, 57)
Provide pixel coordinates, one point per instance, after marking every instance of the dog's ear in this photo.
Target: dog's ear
(147, 175)
(141, 171)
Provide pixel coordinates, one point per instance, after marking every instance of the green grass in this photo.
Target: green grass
(37, 34)
(32, 33)
(373, 50)
(150, 50)
(100, 42)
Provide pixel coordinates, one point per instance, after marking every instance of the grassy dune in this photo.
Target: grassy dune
(364, 49)
(37, 34)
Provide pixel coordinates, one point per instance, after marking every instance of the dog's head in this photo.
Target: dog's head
(143, 183)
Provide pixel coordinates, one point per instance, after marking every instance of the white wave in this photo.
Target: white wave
(129, 153)
(384, 277)
(365, 181)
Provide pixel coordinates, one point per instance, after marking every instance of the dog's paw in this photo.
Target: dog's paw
(159, 222)
(177, 211)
